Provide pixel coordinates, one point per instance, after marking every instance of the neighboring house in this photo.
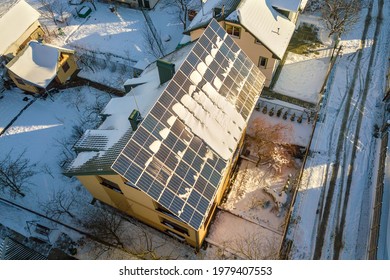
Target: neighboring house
(171, 169)
(147, 4)
(262, 28)
(38, 67)
(18, 25)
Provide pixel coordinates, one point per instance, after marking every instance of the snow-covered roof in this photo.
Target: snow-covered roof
(179, 153)
(14, 22)
(115, 131)
(37, 63)
(258, 17)
(271, 28)
(206, 12)
(287, 5)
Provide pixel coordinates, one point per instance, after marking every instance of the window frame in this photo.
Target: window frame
(109, 184)
(259, 64)
(65, 66)
(173, 226)
(233, 27)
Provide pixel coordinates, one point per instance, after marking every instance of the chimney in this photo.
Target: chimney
(135, 118)
(166, 70)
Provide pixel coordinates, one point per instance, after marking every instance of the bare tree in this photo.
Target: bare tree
(340, 15)
(106, 224)
(267, 141)
(15, 173)
(55, 10)
(180, 10)
(61, 203)
(255, 247)
(151, 45)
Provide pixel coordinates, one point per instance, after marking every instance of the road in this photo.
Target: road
(332, 213)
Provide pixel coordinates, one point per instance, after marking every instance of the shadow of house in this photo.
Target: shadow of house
(39, 67)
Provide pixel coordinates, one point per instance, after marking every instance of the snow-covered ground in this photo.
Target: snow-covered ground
(302, 76)
(11, 104)
(111, 43)
(259, 197)
(332, 213)
(42, 132)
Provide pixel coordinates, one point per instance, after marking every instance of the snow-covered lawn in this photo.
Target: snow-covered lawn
(231, 236)
(40, 131)
(11, 104)
(302, 76)
(167, 23)
(118, 33)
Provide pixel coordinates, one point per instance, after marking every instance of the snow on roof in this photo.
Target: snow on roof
(206, 12)
(115, 130)
(271, 28)
(287, 5)
(142, 64)
(303, 4)
(194, 128)
(37, 63)
(15, 22)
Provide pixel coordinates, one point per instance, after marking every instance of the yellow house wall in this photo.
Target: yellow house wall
(139, 205)
(253, 50)
(25, 87)
(32, 33)
(135, 203)
(62, 76)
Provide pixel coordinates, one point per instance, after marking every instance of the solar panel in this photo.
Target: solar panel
(179, 153)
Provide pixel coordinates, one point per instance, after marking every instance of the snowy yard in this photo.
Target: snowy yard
(259, 197)
(110, 43)
(303, 75)
(44, 133)
(11, 103)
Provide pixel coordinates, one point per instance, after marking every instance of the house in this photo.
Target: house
(38, 67)
(18, 25)
(165, 152)
(262, 28)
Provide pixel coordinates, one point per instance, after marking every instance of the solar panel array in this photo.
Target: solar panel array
(164, 158)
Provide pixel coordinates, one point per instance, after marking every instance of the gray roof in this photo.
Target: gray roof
(205, 13)
(12, 250)
(101, 162)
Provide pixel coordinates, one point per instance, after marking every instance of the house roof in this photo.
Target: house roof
(287, 5)
(205, 12)
(15, 18)
(98, 149)
(37, 63)
(258, 17)
(12, 250)
(267, 25)
(180, 152)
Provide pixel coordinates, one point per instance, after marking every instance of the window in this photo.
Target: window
(108, 184)
(174, 226)
(65, 67)
(263, 62)
(233, 30)
(20, 81)
(163, 210)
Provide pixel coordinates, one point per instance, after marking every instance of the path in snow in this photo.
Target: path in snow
(338, 176)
